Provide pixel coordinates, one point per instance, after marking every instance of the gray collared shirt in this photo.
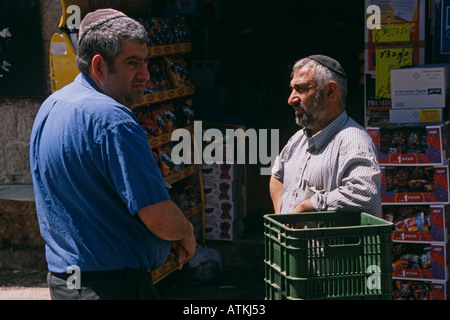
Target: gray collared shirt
(337, 168)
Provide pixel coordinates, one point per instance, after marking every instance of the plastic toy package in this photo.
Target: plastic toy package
(409, 218)
(412, 290)
(419, 261)
(405, 140)
(411, 256)
(426, 143)
(409, 179)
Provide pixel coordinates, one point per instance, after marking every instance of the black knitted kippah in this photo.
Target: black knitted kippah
(330, 63)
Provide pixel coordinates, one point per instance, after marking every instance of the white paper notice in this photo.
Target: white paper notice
(59, 48)
(404, 9)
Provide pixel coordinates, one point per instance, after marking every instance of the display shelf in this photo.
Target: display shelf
(194, 210)
(165, 138)
(165, 269)
(170, 49)
(165, 95)
(184, 173)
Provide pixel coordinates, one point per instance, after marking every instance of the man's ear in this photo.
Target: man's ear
(331, 91)
(98, 68)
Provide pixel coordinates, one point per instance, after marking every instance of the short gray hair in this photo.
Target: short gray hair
(107, 39)
(323, 76)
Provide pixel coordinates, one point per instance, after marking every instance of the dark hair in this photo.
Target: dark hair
(107, 39)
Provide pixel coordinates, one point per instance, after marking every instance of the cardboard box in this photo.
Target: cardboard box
(412, 143)
(400, 184)
(224, 229)
(419, 290)
(418, 223)
(222, 172)
(223, 210)
(415, 115)
(419, 261)
(218, 191)
(424, 86)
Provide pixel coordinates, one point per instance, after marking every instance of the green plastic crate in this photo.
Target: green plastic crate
(338, 256)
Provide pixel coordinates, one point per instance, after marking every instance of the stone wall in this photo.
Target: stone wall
(20, 242)
(17, 115)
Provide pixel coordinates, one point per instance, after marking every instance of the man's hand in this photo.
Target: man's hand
(184, 249)
(304, 206)
(167, 221)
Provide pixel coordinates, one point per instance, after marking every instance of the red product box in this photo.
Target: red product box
(419, 290)
(415, 184)
(418, 223)
(411, 143)
(419, 261)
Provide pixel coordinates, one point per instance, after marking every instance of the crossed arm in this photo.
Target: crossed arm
(276, 193)
(168, 222)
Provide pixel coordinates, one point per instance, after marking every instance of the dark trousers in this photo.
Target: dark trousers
(109, 285)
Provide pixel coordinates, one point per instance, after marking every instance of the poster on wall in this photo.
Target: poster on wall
(21, 64)
(397, 43)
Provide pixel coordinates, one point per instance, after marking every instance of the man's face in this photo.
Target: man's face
(306, 99)
(126, 82)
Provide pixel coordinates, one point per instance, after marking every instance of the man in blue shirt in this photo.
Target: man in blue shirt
(101, 201)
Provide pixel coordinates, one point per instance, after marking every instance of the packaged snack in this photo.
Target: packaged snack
(188, 113)
(417, 223)
(158, 81)
(425, 260)
(412, 259)
(411, 290)
(168, 112)
(145, 117)
(160, 122)
(400, 225)
(168, 167)
(177, 72)
(399, 264)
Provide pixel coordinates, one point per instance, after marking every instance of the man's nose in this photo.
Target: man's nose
(293, 98)
(143, 74)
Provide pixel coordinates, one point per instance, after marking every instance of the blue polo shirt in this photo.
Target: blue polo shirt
(92, 170)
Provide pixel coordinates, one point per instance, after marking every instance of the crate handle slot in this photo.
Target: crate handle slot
(344, 244)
